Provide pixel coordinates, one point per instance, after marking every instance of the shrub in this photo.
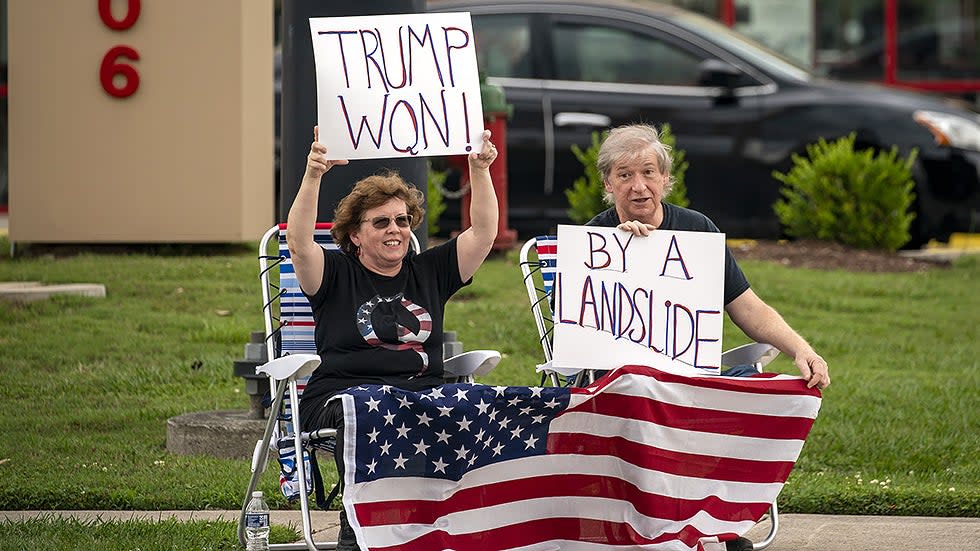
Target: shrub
(585, 198)
(856, 198)
(435, 202)
(678, 194)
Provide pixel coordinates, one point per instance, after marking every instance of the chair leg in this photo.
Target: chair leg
(555, 382)
(773, 528)
(304, 499)
(260, 457)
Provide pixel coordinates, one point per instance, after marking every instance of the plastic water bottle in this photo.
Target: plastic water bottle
(257, 524)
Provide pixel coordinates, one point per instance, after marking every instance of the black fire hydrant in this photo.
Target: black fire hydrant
(256, 386)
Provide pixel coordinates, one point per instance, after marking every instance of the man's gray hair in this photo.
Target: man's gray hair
(626, 144)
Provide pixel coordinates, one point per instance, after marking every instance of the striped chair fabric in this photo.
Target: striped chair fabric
(292, 331)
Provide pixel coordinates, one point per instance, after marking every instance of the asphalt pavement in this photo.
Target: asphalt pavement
(796, 532)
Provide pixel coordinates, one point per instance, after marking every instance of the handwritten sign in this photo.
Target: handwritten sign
(621, 299)
(397, 85)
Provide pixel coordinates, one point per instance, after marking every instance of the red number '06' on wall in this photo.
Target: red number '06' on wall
(119, 79)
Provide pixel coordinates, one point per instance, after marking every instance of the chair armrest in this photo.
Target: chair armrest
(758, 354)
(563, 371)
(475, 362)
(286, 367)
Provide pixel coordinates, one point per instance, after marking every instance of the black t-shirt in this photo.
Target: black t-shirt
(374, 329)
(682, 219)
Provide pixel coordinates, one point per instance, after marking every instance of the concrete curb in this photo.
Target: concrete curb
(871, 533)
(17, 291)
(796, 533)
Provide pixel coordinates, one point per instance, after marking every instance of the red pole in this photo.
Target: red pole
(496, 111)
(727, 12)
(891, 41)
(496, 123)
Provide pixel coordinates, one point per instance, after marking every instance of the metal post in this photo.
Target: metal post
(299, 111)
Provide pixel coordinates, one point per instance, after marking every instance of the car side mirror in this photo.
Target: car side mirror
(717, 73)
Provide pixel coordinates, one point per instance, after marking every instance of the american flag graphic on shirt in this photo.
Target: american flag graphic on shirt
(408, 338)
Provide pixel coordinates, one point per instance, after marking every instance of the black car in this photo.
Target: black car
(738, 110)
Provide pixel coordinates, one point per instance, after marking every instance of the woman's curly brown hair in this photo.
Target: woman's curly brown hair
(367, 194)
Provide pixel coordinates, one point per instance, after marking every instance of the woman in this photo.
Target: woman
(377, 307)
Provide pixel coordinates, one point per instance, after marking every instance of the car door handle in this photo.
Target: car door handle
(582, 119)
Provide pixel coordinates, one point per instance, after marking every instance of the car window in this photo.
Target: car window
(599, 53)
(503, 45)
(742, 46)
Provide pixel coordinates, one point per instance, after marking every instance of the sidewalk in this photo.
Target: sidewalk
(796, 532)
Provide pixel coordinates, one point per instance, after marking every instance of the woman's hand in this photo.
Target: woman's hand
(316, 162)
(483, 159)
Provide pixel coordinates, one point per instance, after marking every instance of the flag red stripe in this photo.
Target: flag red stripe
(697, 419)
(754, 385)
(546, 249)
(541, 530)
(671, 462)
(554, 486)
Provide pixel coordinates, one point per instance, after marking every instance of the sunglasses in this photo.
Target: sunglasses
(382, 222)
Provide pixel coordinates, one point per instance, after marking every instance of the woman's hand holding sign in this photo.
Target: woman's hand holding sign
(316, 162)
(307, 255)
(484, 158)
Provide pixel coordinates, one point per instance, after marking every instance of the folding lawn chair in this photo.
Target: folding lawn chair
(289, 331)
(538, 260)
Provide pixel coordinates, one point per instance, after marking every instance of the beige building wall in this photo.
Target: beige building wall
(187, 158)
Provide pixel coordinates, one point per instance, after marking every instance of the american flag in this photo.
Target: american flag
(641, 459)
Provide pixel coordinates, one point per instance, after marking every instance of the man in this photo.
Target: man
(635, 168)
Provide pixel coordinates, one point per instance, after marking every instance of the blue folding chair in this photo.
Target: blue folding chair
(539, 264)
(289, 334)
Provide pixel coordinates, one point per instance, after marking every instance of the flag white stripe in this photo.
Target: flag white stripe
(507, 514)
(679, 440)
(710, 398)
(682, 487)
(573, 545)
(350, 429)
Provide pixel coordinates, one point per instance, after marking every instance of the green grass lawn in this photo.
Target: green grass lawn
(87, 385)
(60, 534)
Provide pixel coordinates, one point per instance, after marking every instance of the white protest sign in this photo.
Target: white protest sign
(397, 85)
(621, 299)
